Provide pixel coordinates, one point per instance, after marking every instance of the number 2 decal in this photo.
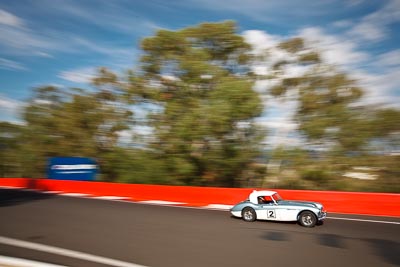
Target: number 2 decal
(271, 214)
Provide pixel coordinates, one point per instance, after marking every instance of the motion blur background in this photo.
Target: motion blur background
(236, 93)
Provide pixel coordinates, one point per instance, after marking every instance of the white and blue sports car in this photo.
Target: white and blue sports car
(268, 205)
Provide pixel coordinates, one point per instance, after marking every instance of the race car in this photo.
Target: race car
(269, 205)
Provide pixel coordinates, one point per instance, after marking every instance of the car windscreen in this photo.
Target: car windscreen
(277, 197)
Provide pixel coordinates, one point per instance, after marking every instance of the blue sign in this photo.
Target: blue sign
(72, 168)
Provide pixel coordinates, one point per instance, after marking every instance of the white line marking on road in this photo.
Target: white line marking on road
(361, 220)
(218, 207)
(74, 194)
(161, 202)
(112, 198)
(16, 262)
(66, 252)
(222, 207)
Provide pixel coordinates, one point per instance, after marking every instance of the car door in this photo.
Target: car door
(271, 212)
(287, 212)
(267, 211)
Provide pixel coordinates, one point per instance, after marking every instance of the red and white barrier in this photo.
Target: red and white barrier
(380, 204)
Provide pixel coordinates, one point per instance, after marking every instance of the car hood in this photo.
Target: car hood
(300, 203)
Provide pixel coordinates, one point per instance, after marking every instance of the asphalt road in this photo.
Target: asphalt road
(158, 236)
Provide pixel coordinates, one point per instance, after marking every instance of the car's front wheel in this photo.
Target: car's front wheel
(307, 219)
(249, 214)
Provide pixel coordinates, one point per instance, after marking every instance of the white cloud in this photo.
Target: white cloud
(80, 75)
(334, 49)
(378, 75)
(286, 13)
(278, 119)
(111, 15)
(21, 39)
(143, 130)
(380, 88)
(261, 40)
(10, 109)
(281, 131)
(17, 38)
(81, 43)
(11, 65)
(342, 24)
(279, 112)
(295, 70)
(9, 19)
(389, 59)
(261, 86)
(25, 40)
(375, 26)
(7, 103)
(264, 47)
(368, 31)
(380, 82)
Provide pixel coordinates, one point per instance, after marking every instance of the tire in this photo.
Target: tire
(307, 219)
(249, 214)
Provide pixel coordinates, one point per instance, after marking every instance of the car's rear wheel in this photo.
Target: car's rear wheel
(307, 219)
(249, 214)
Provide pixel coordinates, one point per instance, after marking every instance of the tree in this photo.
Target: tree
(204, 132)
(199, 76)
(10, 138)
(330, 114)
(73, 123)
(325, 96)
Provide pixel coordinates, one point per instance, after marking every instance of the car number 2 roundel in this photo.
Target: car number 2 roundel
(271, 214)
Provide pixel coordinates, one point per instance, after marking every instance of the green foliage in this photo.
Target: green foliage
(315, 175)
(10, 138)
(310, 58)
(386, 121)
(325, 97)
(205, 103)
(75, 123)
(133, 166)
(278, 90)
(203, 131)
(292, 45)
(330, 115)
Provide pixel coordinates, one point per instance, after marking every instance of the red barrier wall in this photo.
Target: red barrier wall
(381, 204)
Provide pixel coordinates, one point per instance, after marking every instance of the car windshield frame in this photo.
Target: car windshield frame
(276, 197)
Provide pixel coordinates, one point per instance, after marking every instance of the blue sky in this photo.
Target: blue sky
(61, 42)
